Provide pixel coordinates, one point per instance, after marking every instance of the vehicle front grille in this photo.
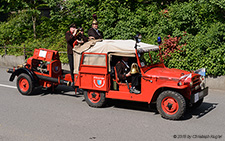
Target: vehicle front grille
(196, 83)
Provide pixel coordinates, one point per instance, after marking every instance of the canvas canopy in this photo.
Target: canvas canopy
(112, 47)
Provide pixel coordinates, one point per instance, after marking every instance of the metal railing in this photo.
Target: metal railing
(25, 51)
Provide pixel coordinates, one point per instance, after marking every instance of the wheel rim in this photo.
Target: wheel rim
(170, 105)
(23, 84)
(94, 97)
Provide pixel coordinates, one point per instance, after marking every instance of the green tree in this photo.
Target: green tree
(30, 7)
(202, 20)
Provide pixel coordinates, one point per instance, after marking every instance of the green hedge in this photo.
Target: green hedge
(202, 20)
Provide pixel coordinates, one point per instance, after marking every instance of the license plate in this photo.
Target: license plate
(196, 97)
(199, 95)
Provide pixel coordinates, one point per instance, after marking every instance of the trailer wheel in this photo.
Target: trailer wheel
(24, 84)
(171, 105)
(94, 98)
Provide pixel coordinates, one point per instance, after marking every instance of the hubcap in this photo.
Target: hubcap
(24, 84)
(169, 105)
(94, 97)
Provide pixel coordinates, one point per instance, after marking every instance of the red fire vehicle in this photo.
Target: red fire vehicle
(94, 71)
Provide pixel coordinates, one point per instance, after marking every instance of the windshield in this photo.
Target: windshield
(149, 58)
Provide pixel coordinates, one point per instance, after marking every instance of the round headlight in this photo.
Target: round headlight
(179, 83)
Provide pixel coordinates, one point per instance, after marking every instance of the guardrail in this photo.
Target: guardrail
(25, 51)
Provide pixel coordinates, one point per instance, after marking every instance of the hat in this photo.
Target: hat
(95, 22)
(72, 25)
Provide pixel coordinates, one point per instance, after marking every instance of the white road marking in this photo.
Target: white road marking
(8, 86)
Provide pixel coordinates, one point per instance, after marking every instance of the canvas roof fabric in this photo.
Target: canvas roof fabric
(114, 47)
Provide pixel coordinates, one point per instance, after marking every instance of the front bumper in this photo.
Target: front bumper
(199, 95)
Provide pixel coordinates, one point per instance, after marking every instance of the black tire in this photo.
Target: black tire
(95, 99)
(197, 104)
(25, 84)
(171, 105)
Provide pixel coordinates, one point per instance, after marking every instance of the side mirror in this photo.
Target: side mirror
(138, 38)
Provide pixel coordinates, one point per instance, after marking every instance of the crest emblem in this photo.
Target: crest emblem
(56, 69)
(99, 82)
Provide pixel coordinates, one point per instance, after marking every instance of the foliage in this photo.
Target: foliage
(170, 45)
(17, 30)
(202, 20)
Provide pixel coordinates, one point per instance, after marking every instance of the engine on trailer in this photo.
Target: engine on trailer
(42, 67)
(45, 62)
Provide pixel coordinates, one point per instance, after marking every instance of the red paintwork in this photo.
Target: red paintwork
(53, 64)
(151, 81)
(154, 78)
(166, 73)
(94, 96)
(167, 102)
(50, 55)
(23, 84)
(96, 79)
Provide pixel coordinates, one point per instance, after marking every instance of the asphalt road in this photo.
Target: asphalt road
(64, 116)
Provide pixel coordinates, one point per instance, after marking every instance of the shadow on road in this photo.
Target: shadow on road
(201, 111)
(60, 90)
(132, 105)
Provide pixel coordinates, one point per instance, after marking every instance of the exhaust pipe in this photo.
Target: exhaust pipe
(10, 70)
(55, 80)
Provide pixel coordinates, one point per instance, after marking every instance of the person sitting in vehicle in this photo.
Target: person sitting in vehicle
(123, 72)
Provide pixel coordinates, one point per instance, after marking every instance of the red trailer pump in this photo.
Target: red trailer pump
(172, 90)
(43, 68)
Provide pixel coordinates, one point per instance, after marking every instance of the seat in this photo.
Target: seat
(122, 86)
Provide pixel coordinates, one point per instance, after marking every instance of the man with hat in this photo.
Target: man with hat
(93, 32)
(70, 39)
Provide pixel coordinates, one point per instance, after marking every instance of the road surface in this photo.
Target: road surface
(64, 116)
